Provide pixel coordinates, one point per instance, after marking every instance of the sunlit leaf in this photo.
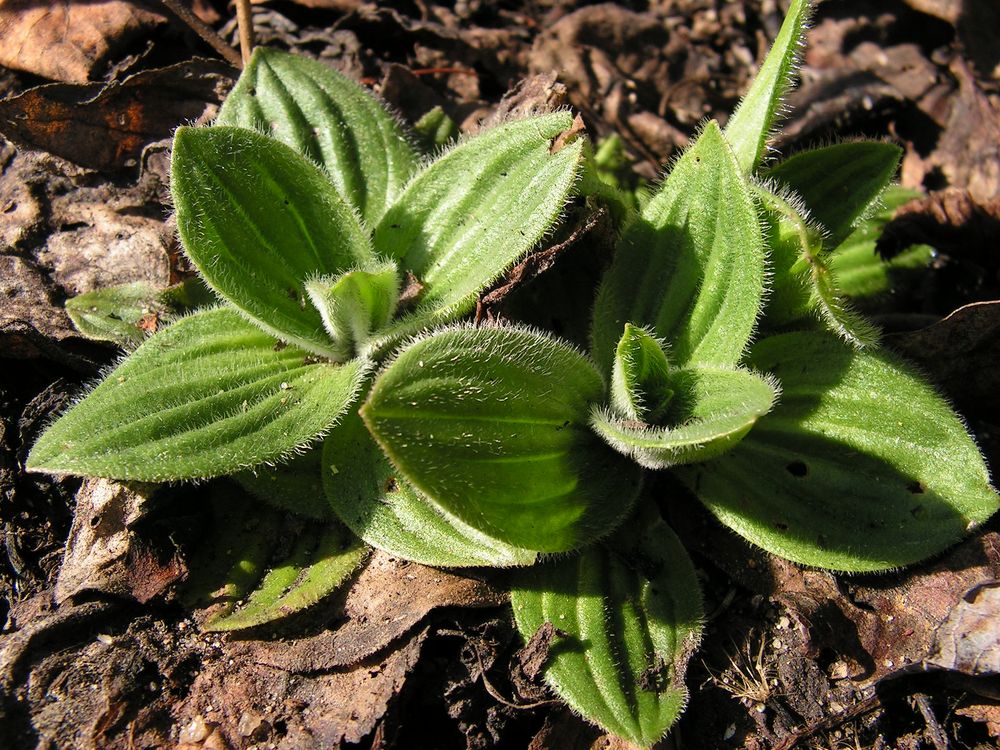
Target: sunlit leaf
(381, 507)
(330, 120)
(860, 467)
(640, 377)
(630, 611)
(479, 208)
(710, 412)
(208, 396)
(751, 124)
(691, 269)
(839, 183)
(259, 220)
(491, 425)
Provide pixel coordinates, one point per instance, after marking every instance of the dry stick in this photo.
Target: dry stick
(204, 31)
(244, 19)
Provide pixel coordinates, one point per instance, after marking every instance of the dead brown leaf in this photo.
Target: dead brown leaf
(984, 713)
(68, 41)
(960, 352)
(386, 600)
(107, 126)
(969, 640)
(952, 221)
(104, 554)
(564, 730)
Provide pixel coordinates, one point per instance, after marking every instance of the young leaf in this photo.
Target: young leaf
(258, 220)
(355, 304)
(382, 508)
(630, 612)
(118, 313)
(692, 267)
(803, 283)
(491, 425)
(296, 486)
(640, 377)
(861, 467)
(330, 120)
(208, 396)
(839, 183)
(750, 125)
(479, 208)
(711, 411)
(318, 565)
(435, 130)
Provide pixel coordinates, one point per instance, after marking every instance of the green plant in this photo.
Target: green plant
(492, 445)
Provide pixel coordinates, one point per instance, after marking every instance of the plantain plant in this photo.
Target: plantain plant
(722, 349)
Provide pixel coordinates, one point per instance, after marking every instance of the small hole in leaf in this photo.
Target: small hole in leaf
(797, 469)
(781, 526)
(390, 484)
(95, 521)
(916, 488)
(252, 91)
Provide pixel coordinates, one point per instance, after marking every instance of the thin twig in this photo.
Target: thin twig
(204, 31)
(244, 19)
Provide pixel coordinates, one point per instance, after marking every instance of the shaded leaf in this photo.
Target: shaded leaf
(505, 410)
(258, 220)
(692, 267)
(319, 564)
(712, 410)
(435, 130)
(208, 396)
(861, 467)
(126, 314)
(751, 123)
(381, 507)
(839, 183)
(631, 612)
(330, 120)
(295, 486)
(478, 209)
(804, 288)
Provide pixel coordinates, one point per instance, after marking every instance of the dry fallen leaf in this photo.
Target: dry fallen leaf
(68, 41)
(104, 554)
(107, 126)
(969, 640)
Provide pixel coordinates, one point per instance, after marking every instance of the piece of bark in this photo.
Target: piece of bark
(69, 41)
(28, 301)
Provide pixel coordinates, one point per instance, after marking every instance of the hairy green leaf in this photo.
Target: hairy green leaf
(479, 208)
(382, 508)
(127, 313)
(258, 220)
(491, 425)
(320, 562)
(860, 272)
(640, 377)
(711, 411)
(631, 616)
(861, 467)
(208, 396)
(295, 486)
(355, 304)
(839, 183)
(803, 286)
(692, 267)
(751, 124)
(330, 120)
(435, 130)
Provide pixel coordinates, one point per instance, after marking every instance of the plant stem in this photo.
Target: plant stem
(244, 19)
(204, 31)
